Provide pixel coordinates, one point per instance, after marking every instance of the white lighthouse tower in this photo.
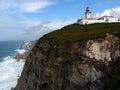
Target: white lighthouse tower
(88, 13)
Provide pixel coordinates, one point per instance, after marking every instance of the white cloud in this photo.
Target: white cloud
(34, 32)
(13, 12)
(35, 5)
(111, 12)
(43, 28)
(25, 5)
(14, 20)
(57, 24)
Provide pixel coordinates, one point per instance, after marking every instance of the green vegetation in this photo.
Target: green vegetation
(76, 32)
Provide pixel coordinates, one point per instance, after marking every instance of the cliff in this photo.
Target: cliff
(84, 64)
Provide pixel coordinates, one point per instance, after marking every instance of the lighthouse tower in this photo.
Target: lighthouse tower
(87, 13)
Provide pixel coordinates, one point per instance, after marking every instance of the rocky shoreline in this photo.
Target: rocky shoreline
(24, 50)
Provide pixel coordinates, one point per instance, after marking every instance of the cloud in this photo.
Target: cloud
(34, 6)
(37, 31)
(24, 5)
(111, 12)
(13, 12)
(16, 18)
(57, 24)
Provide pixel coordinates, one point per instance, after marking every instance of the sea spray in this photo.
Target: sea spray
(10, 71)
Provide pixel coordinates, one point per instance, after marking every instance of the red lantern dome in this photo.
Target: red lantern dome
(87, 9)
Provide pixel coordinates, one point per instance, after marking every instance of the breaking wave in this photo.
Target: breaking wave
(10, 71)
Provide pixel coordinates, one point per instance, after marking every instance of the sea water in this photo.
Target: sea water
(10, 69)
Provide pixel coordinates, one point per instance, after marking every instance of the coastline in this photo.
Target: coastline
(10, 69)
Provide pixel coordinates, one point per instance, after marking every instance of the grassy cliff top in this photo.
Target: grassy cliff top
(76, 32)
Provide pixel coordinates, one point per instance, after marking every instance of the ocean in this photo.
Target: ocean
(10, 69)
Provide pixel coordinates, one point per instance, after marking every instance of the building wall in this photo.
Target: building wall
(103, 20)
(111, 20)
(91, 21)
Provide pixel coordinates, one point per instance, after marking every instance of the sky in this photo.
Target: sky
(17, 16)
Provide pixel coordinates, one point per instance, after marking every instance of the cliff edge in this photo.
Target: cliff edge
(88, 60)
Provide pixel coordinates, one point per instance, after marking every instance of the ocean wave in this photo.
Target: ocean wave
(21, 51)
(8, 57)
(10, 70)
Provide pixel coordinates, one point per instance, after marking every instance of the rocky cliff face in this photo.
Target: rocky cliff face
(83, 65)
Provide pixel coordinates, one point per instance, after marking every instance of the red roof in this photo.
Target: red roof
(87, 9)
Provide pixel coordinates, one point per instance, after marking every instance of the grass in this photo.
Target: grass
(76, 32)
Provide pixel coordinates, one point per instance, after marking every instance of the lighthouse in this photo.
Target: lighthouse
(88, 13)
(89, 20)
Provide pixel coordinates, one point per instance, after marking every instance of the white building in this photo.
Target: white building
(89, 20)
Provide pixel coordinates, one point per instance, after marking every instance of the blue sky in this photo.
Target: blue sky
(18, 15)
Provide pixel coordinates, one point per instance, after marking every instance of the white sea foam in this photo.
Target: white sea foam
(21, 51)
(10, 71)
(8, 57)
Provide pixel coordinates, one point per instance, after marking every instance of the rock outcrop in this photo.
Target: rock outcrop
(24, 50)
(83, 65)
(21, 56)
